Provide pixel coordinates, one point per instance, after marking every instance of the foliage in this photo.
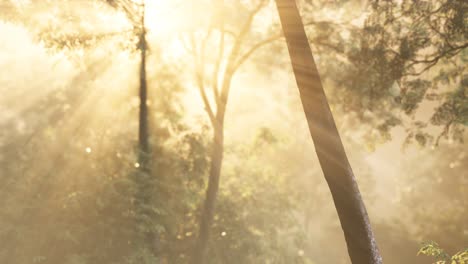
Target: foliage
(432, 249)
(68, 147)
(70, 159)
(405, 56)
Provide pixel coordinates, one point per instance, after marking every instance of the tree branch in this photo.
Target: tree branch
(253, 49)
(129, 8)
(201, 89)
(216, 70)
(199, 74)
(235, 52)
(435, 60)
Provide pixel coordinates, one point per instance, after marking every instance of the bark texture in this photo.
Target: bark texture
(352, 213)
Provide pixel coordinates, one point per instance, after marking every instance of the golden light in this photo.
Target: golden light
(164, 20)
(161, 17)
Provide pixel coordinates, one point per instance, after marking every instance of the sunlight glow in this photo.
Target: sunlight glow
(164, 20)
(71, 142)
(164, 17)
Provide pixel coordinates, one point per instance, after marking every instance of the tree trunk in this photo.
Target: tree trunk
(206, 218)
(143, 181)
(143, 115)
(352, 213)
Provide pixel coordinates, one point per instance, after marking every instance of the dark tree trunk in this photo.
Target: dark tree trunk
(143, 180)
(143, 115)
(354, 220)
(206, 218)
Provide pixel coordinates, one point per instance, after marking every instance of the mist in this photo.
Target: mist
(69, 138)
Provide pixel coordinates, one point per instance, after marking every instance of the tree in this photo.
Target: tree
(75, 171)
(360, 240)
(226, 64)
(135, 12)
(396, 60)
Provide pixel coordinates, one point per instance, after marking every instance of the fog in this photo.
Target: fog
(68, 126)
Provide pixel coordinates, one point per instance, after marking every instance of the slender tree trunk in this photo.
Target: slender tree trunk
(143, 181)
(143, 135)
(206, 218)
(354, 220)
